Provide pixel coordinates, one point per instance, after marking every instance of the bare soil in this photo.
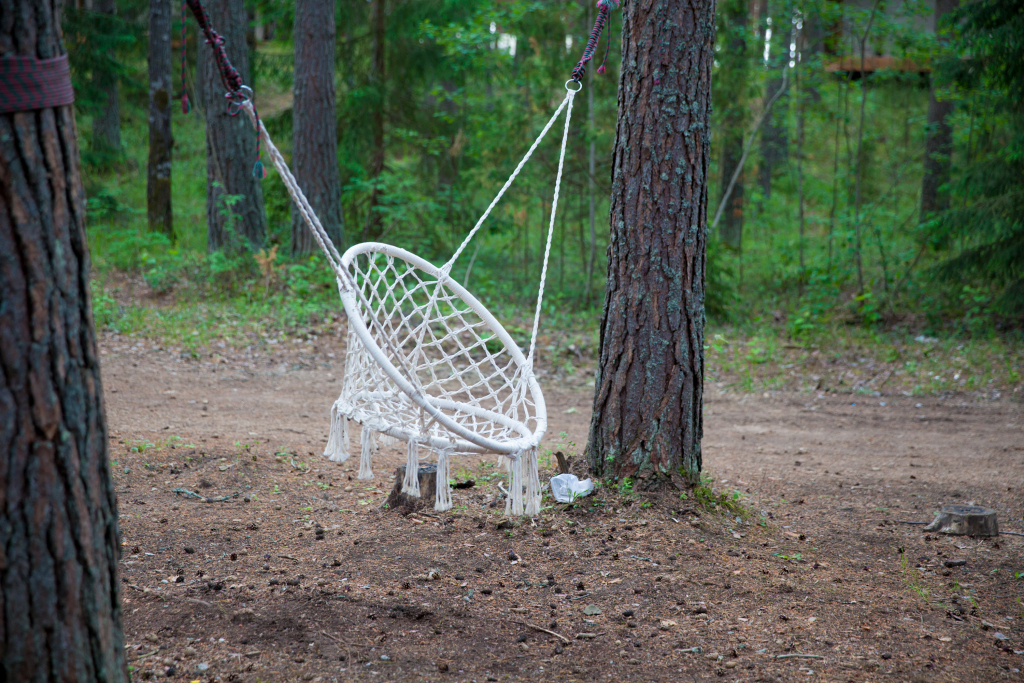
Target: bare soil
(303, 575)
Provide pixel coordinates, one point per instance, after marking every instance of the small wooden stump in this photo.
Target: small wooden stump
(965, 520)
(428, 489)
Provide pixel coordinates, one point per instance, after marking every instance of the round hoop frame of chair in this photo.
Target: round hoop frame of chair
(427, 361)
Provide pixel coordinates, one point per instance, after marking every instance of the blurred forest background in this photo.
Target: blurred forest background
(868, 173)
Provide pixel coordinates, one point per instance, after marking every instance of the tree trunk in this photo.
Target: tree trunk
(315, 153)
(938, 146)
(377, 80)
(647, 419)
(158, 172)
(731, 89)
(591, 166)
(106, 125)
(60, 618)
(235, 218)
(774, 137)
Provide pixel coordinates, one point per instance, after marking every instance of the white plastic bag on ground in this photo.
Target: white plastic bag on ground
(567, 487)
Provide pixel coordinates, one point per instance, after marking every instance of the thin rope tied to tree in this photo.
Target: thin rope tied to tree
(238, 94)
(604, 8)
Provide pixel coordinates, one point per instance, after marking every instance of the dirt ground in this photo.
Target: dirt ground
(302, 575)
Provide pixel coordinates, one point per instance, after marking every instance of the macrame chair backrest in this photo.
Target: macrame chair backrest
(470, 391)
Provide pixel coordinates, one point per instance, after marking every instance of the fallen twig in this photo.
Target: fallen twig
(192, 494)
(798, 655)
(1012, 533)
(289, 557)
(148, 654)
(544, 630)
(903, 521)
(694, 650)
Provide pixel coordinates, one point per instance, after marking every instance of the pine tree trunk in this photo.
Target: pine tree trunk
(60, 618)
(106, 125)
(731, 91)
(938, 146)
(647, 419)
(774, 138)
(235, 218)
(315, 150)
(158, 176)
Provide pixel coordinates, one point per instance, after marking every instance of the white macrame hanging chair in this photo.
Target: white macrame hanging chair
(427, 363)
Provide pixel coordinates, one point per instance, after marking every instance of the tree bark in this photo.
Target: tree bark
(731, 89)
(647, 419)
(938, 146)
(235, 217)
(378, 81)
(315, 152)
(158, 172)
(60, 618)
(106, 125)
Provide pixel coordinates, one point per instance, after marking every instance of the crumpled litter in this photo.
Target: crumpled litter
(567, 487)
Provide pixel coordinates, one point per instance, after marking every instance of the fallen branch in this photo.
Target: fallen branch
(192, 494)
(544, 630)
(903, 521)
(1012, 533)
(148, 654)
(746, 149)
(798, 655)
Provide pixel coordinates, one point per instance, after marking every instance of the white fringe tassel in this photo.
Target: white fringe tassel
(443, 496)
(366, 451)
(532, 476)
(514, 502)
(337, 442)
(411, 483)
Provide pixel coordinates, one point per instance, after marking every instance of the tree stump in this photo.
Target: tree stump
(428, 489)
(965, 520)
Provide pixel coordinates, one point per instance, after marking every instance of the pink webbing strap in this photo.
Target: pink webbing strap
(27, 83)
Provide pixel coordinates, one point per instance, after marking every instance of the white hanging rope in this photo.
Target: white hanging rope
(551, 229)
(508, 183)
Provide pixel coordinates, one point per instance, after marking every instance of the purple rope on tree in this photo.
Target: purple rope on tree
(604, 8)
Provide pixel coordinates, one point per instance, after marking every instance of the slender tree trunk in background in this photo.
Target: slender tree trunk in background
(161, 142)
(800, 95)
(730, 91)
(938, 146)
(860, 145)
(377, 79)
(315, 146)
(835, 174)
(592, 168)
(774, 136)
(60, 614)
(230, 142)
(647, 420)
(106, 125)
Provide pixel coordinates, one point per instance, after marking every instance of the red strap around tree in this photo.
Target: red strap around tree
(27, 83)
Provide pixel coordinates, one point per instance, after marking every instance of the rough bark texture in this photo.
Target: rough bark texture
(106, 125)
(938, 146)
(427, 474)
(730, 93)
(158, 175)
(315, 149)
(60, 618)
(230, 141)
(647, 419)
